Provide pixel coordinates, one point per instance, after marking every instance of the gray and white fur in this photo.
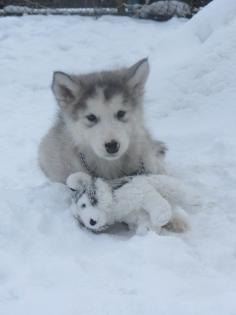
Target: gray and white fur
(99, 127)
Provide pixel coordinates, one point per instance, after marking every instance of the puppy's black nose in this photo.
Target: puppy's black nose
(92, 222)
(112, 147)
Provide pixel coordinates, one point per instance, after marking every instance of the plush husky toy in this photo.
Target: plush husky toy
(144, 202)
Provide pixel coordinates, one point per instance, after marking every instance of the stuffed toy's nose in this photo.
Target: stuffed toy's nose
(92, 222)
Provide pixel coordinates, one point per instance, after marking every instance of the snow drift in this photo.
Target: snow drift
(50, 265)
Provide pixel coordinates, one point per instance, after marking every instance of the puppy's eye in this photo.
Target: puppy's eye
(92, 118)
(120, 114)
(83, 205)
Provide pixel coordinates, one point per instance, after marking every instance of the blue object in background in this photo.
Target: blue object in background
(139, 1)
(133, 1)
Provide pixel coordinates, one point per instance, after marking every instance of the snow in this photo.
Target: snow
(48, 265)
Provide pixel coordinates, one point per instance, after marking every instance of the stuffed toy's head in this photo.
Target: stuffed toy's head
(92, 199)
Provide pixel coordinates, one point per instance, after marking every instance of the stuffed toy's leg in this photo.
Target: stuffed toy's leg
(157, 207)
(138, 222)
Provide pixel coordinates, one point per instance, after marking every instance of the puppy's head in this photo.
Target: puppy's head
(103, 109)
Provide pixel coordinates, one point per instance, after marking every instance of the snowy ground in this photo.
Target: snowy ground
(50, 266)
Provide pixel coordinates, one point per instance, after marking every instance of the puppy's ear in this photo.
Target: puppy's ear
(137, 75)
(78, 181)
(64, 88)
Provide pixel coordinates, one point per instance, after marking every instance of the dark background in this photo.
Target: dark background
(87, 3)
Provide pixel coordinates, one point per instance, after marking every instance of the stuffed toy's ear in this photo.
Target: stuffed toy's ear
(78, 181)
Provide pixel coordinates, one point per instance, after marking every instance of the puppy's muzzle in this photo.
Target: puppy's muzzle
(112, 147)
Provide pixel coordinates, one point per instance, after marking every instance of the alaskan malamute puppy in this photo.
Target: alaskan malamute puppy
(99, 128)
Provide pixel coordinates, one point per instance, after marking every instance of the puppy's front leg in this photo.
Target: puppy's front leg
(154, 164)
(154, 156)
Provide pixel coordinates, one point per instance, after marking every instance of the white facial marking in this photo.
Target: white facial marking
(90, 216)
(107, 130)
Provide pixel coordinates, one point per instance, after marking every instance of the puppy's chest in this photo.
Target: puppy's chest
(116, 169)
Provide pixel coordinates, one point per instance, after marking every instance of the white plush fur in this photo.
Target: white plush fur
(144, 202)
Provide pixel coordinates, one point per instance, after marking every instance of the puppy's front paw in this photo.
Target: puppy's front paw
(179, 221)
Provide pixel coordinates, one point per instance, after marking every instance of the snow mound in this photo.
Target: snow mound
(50, 265)
(164, 10)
